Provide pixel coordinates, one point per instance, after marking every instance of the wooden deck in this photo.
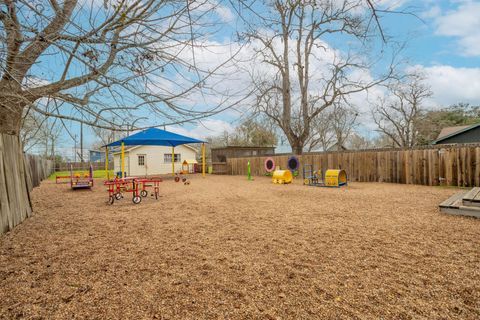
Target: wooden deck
(465, 203)
(472, 198)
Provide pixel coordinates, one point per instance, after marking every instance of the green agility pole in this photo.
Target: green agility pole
(249, 171)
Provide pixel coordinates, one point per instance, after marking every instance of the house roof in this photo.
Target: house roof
(154, 137)
(449, 132)
(128, 149)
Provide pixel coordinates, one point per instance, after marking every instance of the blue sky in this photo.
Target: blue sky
(442, 32)
(443, 42)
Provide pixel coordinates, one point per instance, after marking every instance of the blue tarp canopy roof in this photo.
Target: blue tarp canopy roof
(154, 137)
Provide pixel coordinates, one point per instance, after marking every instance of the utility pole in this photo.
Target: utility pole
(75, 149)
(53, 151)
(81, 142)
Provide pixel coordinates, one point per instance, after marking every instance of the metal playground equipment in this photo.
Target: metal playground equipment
(333, 177)
(80, 180)
(139, 187)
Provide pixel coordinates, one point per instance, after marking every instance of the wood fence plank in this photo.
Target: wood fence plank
(431, 165)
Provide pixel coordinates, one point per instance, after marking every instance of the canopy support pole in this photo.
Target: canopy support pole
(123, 161)
(203, 160)
(106, 163)
(173, 161)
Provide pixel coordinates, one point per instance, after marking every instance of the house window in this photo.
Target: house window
(141, 159)
(167, 157)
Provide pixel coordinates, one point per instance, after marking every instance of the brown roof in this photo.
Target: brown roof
(450, 130)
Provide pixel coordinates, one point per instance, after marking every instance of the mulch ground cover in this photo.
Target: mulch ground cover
(227, 248)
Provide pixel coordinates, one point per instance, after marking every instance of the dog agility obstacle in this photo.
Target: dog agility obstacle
(293, 164)
(333, 177)
(282, 177)
(269, 166)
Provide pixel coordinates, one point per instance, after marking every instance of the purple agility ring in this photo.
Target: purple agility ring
(293, 163)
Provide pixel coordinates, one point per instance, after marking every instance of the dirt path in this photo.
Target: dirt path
(227, 248)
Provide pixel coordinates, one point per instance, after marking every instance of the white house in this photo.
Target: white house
(153, 160)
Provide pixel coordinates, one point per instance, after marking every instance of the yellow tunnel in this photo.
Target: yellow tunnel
(335, 178)
(282, 176)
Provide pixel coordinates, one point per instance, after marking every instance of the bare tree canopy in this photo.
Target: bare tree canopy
(40, 132)
(253, 132)
(332, 127)
(101, 63)
(256, 132)
(104, 63)
(311, 71)
(398, 115)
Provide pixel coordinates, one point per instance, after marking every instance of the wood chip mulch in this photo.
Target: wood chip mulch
(227, 248)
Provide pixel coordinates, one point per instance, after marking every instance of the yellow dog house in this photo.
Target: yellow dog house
(335, 178)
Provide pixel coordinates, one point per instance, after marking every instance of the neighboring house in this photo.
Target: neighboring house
(459, 134)
(99, 156)
(153, 160)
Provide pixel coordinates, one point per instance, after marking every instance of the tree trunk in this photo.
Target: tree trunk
(296, 143)
(297, 148)
(10, 120)
(15, 205)
(12, 103)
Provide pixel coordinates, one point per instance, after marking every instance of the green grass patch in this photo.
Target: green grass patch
(100, 174)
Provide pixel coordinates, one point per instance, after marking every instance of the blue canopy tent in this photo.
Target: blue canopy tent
(155, 137)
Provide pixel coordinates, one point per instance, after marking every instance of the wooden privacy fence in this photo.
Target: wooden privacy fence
(220, 168)
(79, 166)
(38, 169)
(451, 165)
(19, 174)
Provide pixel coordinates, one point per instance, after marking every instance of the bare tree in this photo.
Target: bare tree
(333, 127)
(40, 132)
(114, 61)
(322, 136)
(50, 137)
(103, 65)
(398, 115)
(344, 118)
(32, 126)
(290, 40)
(254, 132)
(105, 136)
(357, 142)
